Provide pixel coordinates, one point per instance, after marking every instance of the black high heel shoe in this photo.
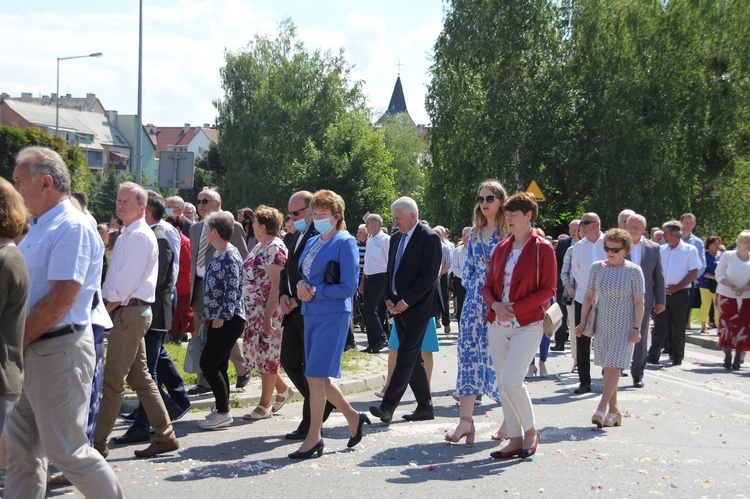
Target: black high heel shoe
(317, 448)
(358, 436)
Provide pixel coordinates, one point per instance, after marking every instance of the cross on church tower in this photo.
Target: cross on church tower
(399, 67)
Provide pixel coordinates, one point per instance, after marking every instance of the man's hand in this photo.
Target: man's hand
(659, 308)
(287, 304)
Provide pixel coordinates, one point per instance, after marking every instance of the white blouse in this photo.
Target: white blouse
(738, 272)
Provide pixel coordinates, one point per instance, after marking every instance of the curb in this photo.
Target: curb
(709, 341)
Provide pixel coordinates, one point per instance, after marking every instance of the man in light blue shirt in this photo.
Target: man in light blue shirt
(64, 254)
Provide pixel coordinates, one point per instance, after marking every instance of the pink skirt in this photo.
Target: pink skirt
(734, 323)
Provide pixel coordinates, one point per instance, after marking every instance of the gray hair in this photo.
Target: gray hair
(640, 218)
(177, 200)
(222, 222)
(141, 196)
(673, 226)
(374, 217)
(362, 227)
(406, 205)
(190, 206)
(211, 191)
(627, 212)
(465, 231)
(45, 161)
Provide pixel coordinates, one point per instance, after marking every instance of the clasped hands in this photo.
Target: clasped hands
(305, 291)
(397, 308)
(503, 311)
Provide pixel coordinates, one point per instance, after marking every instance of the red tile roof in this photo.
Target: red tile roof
(176, 136)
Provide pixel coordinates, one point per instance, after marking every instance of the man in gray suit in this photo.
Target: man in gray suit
(209, 202)
(646, 254)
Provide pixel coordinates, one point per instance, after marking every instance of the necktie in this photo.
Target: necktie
(399, 254)
(202, 247)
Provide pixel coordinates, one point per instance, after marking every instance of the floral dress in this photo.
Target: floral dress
(261, 349)
(476, 375)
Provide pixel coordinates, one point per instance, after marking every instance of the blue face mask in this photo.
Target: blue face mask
(170, 212)
(323, 226)
(300, 225)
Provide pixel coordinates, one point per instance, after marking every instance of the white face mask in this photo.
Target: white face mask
(324, 226)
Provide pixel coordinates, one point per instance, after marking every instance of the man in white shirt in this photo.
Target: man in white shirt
(584, 253)
(681, 263)
(444, 312)
(688, 222)
(458, 260)
(375, 283)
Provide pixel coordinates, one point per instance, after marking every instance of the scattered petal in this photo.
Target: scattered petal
(432, 467)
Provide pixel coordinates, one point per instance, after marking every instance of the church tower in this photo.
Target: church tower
(397, 107)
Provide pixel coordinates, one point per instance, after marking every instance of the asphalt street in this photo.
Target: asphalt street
(685, 434)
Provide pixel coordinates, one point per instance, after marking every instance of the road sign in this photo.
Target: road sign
(534, 189)
(176, 170)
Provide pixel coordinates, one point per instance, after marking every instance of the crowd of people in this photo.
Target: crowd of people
(274, 293)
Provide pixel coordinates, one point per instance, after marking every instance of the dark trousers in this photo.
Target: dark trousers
(165, 373)
(409, 370)
(640, 349)
(374, 308)
(460, 292)
(675, 315)
(445, 313)
(96, 383)
(561, 335)
(215, 358)
(583, 353)
(293, 362)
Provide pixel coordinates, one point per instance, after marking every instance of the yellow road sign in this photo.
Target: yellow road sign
(534, 189)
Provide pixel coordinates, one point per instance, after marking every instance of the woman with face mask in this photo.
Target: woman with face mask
(330, 270)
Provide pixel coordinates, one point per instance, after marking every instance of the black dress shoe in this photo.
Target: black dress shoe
(198, 390)
(243, 380)
(582, 389)
(420, 415)
(131, 438)
(379, 412)
(130, 416)
(653, 361)
(377, 348)
(676, 362)
(358, 436)
(556, 348)
(177, 413)
(298, 434)
(637, 383)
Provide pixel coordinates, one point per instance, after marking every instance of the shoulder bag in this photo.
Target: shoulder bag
(590, 328)
(553, 316)
(194, 350)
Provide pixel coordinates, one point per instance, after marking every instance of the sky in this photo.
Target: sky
(184, 42)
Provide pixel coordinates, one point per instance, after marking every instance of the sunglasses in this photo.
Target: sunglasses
(607, 249)
(588, 222)
(489, 199)
(297, 212)
(204, 201)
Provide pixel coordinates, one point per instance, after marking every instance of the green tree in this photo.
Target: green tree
(354, 162)
(103, 197)
(405, 144)
(279, 98)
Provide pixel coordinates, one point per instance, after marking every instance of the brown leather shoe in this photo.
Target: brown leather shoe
(158, 448)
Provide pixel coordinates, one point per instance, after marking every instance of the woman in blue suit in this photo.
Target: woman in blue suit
(329, 266)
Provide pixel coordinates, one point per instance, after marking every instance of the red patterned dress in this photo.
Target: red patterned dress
(262, 350)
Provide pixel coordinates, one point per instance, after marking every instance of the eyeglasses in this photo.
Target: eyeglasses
(588, 222)
(297, 212)
(489, 199)
(204, 201)
(607, 249)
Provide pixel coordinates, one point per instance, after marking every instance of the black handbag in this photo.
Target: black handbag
(333, 273)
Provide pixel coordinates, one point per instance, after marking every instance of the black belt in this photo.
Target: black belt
(136, 302)
(69, 329)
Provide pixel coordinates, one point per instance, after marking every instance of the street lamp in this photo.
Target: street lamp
(57, 100)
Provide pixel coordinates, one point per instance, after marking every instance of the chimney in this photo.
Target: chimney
(26, 97)
(90, 98)
(111, 115)
(186, 128)
(4, 96)
(45, 100)
(206, 125)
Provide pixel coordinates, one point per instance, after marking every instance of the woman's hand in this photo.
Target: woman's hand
(634, 336)
(268, 327)
(503, 311)
(579, 330)
(217, 323)
(305, 291)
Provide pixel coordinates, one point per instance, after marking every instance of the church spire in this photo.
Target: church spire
(397, 107)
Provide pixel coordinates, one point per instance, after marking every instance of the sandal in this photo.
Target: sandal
(285, 396)
(574, 370)
(499, 436)
(264, 413)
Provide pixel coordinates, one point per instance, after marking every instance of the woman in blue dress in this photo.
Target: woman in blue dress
(475, 372)
(330, 271)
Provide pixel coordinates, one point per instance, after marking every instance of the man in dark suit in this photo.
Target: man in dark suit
(563, 243)
(413, 266)
(646, 254)
(209, 201)
(292, 341)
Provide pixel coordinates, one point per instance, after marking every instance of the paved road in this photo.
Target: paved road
(685, 435)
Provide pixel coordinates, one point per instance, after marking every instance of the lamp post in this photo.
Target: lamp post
(57, 100)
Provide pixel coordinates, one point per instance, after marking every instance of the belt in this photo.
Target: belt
(136, 302)
(68, 329)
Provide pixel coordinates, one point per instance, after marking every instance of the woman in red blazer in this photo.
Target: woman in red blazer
(522, 279)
